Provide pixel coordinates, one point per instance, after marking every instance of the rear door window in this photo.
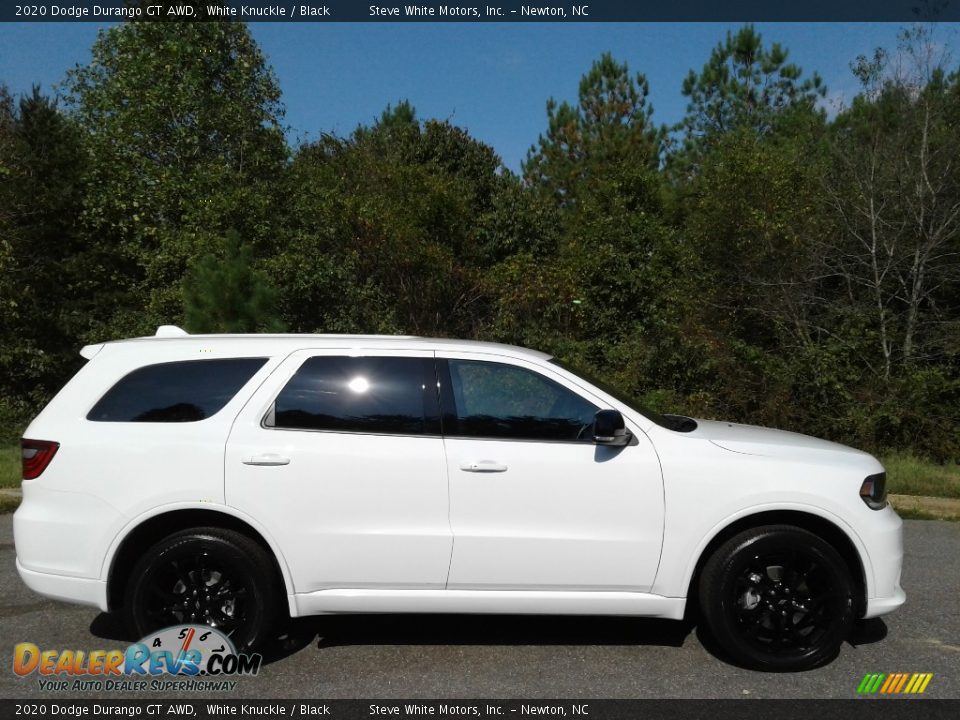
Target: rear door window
(175, 392)
(386, 395)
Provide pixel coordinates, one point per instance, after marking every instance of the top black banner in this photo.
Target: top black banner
(487, 11)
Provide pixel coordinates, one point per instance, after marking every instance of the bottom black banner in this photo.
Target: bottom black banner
(585, 709)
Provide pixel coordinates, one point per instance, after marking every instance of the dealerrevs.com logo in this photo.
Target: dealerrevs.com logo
(196, 656)
(894, 683)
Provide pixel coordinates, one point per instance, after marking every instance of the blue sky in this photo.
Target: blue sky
(492, 79)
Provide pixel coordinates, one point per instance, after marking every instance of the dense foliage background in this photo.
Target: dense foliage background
(761, 261)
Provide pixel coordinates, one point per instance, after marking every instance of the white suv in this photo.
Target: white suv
(231, 480)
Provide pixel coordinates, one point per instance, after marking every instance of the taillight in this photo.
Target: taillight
(35, 455)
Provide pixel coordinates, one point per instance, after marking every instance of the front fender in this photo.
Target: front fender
(674, 578)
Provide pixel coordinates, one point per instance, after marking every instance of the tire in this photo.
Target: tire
(204, 576)
(777, 598)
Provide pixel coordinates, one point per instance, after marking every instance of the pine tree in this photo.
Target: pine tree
(225, 293)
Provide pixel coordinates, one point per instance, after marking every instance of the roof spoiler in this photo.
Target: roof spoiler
(164, 331)
(88, 351)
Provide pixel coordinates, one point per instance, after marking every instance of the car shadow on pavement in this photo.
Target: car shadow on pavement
(107, 626)
(416, 629)
(867, 632)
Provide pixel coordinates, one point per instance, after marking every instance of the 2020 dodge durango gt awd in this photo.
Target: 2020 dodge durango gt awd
(234, 480)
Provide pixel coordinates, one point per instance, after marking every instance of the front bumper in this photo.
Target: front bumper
(883, 538)
(882, 605)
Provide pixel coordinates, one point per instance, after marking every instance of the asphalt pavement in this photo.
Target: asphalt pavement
(430, 656)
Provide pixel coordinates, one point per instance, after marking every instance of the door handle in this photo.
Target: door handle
(266, 459)
(483, 466)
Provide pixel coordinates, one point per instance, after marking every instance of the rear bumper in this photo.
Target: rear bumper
(63, 533)
(83, 591)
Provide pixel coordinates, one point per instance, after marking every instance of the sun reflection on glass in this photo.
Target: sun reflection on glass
(359, 384)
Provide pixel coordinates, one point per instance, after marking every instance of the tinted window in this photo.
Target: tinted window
(393, 395)
(496, 400)
(678, 423)
(175, 392)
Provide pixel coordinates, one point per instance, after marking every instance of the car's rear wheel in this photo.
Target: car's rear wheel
(204, 576)
(777, 598)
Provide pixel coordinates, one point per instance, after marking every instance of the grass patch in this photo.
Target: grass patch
(911, 475)
(912, 513)
(9, 476)
(8, 504)
(10, 466)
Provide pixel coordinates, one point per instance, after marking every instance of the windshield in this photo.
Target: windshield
(677, 423)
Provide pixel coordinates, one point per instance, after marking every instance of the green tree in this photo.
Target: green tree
(895, 192)
(745, 187)
(392, 227)
(744, 84)
(618, 294)
(184, 140)
(753, 215)
(610, 126)
(615, 290)
(223, 292)
(8, 202)
(893, 253)
(41, 191)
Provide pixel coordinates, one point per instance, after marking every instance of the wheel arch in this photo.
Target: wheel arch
(819, 525)
(141, 534)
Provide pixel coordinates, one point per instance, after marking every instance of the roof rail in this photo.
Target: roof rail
(166, 331)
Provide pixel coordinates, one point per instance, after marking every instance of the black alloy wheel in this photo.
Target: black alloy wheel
(204, 576)
(777, 598)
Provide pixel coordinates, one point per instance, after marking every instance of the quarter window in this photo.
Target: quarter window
(175, 392)
(495, 400)
(390, 395)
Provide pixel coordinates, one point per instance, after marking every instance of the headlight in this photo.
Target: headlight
(874, 491)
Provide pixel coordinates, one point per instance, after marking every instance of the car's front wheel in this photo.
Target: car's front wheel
(777, 598)
(204, 576)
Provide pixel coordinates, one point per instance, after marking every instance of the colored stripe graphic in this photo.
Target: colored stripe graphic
(891, 681)
(894, 683)
(870, 683)
(918, 683)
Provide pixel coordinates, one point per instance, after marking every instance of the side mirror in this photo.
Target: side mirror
(609, 428)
